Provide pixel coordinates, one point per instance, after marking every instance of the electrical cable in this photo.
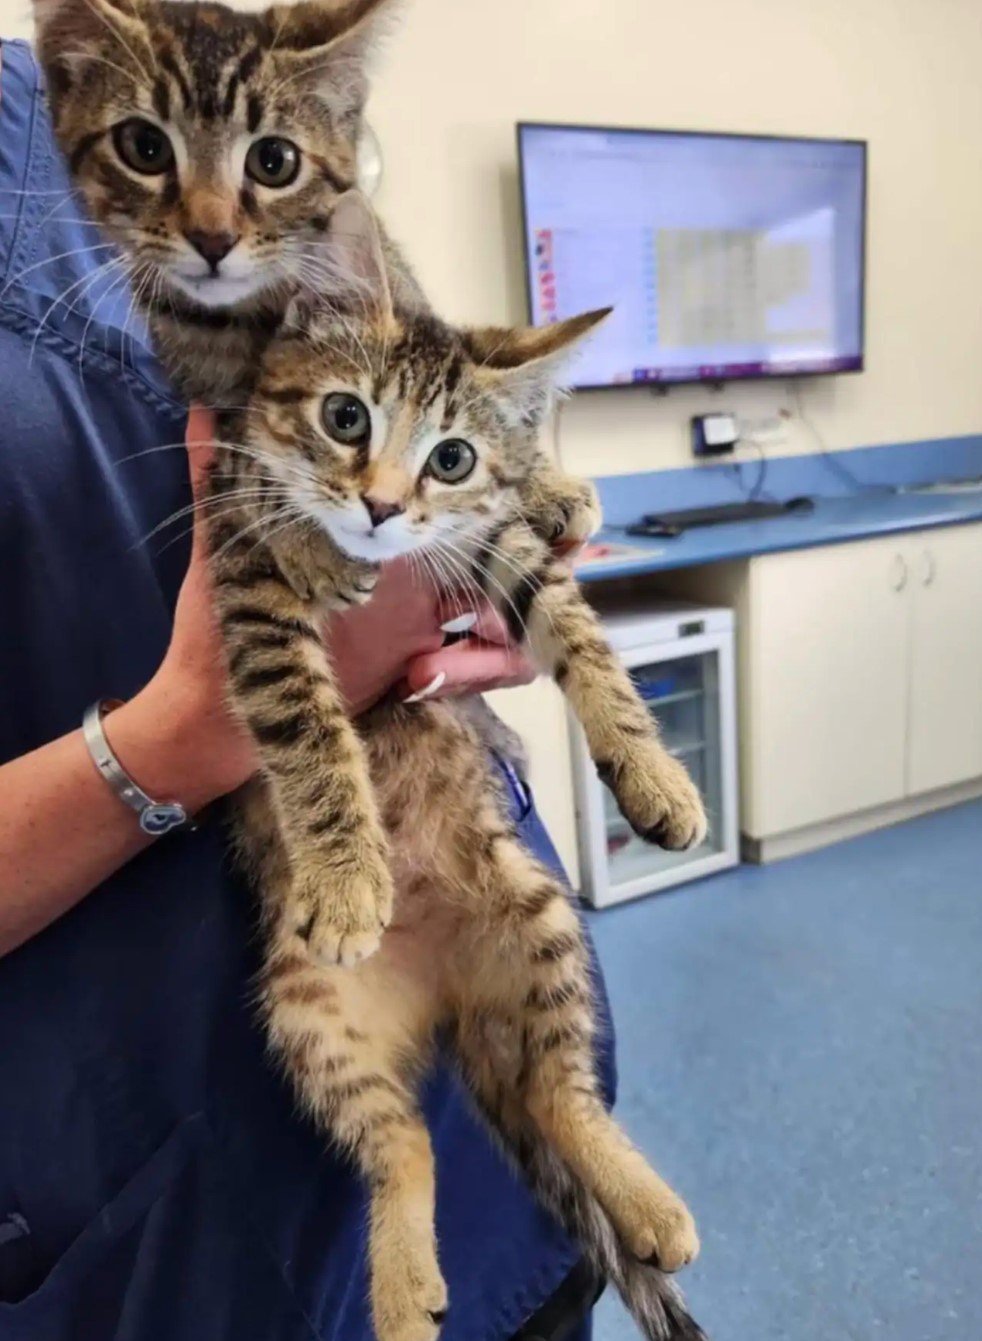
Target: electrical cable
(557, 437)
(832, 462)
(756, 491)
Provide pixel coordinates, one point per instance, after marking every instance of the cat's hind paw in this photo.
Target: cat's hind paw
(409, 1298)
(668, 1240)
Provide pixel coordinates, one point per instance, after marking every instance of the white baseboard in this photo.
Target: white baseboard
(779, 846)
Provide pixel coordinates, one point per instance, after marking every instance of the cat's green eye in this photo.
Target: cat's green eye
(273, 162)
(143, 146)
(346, 419)
(452, 462)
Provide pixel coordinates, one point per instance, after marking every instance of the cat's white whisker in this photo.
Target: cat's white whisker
(50, 260)
(217, 506)
(86, 281)
(94, 57)
(101, 16)
(113, 287)
(462, 574)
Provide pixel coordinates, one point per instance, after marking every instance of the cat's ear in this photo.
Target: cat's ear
(356, 258)
(349, 266)
(122, 19)
(327, 46)
(529, 362)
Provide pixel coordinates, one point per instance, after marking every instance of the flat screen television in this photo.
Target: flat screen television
(724, 256)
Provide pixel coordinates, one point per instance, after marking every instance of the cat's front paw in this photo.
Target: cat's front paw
(351, 583)
(566, 519)
(341, 913)
(581, 517)
(658, 798)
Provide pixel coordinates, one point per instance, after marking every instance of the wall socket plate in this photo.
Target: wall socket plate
(714, 434)
(765, 428)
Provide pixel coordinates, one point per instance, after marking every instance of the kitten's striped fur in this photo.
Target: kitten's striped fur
(211, 77)
(483, 938)
(398, 825)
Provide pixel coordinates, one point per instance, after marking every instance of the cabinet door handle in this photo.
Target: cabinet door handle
(898, 573)
(929, 568)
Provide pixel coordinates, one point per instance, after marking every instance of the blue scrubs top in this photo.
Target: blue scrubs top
(156, 1182)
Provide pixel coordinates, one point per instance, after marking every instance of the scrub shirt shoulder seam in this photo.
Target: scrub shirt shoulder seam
(25, 324)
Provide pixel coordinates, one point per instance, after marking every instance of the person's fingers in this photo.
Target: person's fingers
(465, 666)
(478, 621)
(568, 550)
(200, 440)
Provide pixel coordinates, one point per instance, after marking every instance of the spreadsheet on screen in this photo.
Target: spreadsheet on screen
(722, 256)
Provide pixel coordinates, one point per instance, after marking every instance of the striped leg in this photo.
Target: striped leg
(283, 688)
(526, 1030)
(343, 1035)
(546, 611)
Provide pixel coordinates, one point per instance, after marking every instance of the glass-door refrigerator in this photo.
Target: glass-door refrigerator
(681, 659)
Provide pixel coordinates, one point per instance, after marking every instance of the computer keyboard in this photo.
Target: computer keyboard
(674, 523)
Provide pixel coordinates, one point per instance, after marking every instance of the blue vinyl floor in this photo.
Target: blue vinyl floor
(800, 1053)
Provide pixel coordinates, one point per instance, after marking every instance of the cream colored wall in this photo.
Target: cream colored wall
(15, 19)
(457, 74)
(901, 73)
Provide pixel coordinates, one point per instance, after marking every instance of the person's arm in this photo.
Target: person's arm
(62, 830)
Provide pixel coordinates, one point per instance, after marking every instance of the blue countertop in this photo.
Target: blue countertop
(833, 521)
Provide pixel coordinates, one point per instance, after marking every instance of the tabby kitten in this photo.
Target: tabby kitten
(211, 145)
(375, 432)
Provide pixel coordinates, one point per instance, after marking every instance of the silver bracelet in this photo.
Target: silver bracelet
(156, 818)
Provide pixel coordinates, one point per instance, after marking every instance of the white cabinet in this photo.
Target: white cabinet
(828, 685)
(944, 742)
(860, 679)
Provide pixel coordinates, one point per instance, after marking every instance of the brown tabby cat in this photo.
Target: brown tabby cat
(211, 146)
(374, 432)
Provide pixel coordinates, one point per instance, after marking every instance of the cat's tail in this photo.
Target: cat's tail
(651, 1297)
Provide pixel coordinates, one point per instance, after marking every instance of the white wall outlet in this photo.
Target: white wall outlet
(768, 429)
(714, 434)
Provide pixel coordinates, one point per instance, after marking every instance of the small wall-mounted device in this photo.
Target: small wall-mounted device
(714, 434)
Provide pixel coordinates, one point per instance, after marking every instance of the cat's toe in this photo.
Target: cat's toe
(410, 1305)
(683, 825)
(331, 946)
(672, 1241)
(576, 521)
(348, 929)
(658, 799)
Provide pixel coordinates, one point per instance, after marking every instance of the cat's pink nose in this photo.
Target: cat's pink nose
(214, 247)
(379, 510)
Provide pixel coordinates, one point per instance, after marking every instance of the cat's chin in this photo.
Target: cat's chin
(218, 291)
(374, 547)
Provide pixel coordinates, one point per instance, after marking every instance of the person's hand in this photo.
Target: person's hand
(397, 639)
(181, 742)
(177, 737)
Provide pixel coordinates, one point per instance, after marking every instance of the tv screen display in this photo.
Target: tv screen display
(724, 256)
